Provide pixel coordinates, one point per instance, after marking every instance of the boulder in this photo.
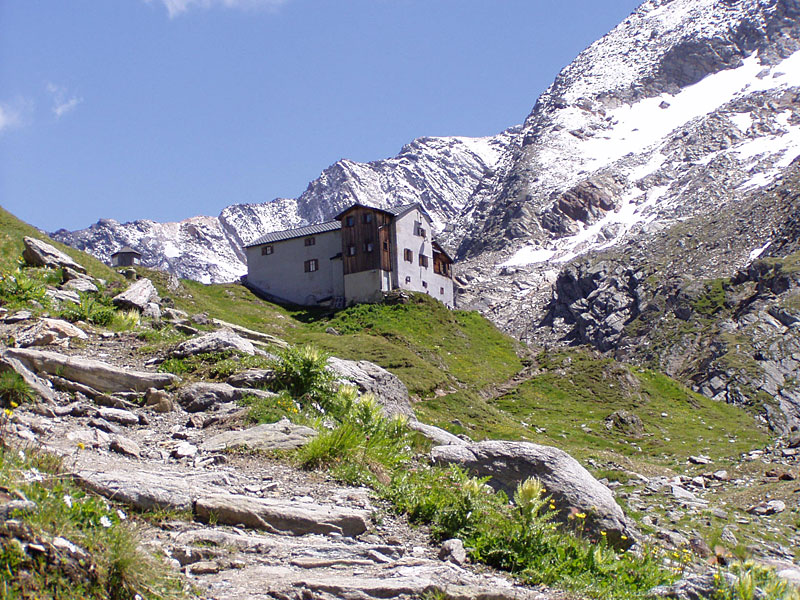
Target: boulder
(45, 332)
(125, 446)
(41, 254)
(98, 375)
(70, 296)
(202, 395)
(137, 296)
(217, 341)
(572, 488)
(390, 392)
(152, 311)
(437, 435)
(80, 285)
(159, 400)
(453, 551)
(256, 336)
(625, 422)
(281, 515)
(283, 435)
(119, 415)
(252, 378)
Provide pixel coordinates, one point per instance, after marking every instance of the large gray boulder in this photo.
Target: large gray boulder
(283, 435)
(41, 254)
(202, 395)
(573, 489)
(216, 341)
(137, 296)
(281, 516)
(390, 392)
(98, 375)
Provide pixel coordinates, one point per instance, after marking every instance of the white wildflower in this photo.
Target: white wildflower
(68, 500)
(122, 516)
(105, 521)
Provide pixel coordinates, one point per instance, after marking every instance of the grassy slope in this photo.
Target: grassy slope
(12, 230)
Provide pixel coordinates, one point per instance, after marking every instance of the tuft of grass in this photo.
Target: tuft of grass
(271, 410)
(14, 390)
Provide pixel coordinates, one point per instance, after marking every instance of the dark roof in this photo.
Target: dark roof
(289, 234)
(126, 250)
(395, 211)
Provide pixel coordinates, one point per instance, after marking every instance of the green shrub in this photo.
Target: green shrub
(750, 581)
(303, 373)
(520, 538)
(17, 288)
(92, 308)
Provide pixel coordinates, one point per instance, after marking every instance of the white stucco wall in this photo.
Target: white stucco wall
(282, 272)
(410, 275)
(364, 286)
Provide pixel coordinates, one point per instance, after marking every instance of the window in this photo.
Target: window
(310, 241)
(351, 251)
(425, 284)
(408, 255)
(367, 218)
(386, 246)
(408, 279)
(349, 221)
(311, 265)
(419, 229)
(368, 246)
(441, 291)
(265, 250)
(423, 261)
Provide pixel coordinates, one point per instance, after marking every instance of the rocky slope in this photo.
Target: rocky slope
(441, 173)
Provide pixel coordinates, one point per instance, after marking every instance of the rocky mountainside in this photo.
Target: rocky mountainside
(659, 162)
(441, 173)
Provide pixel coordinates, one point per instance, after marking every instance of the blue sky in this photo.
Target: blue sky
(166, 109)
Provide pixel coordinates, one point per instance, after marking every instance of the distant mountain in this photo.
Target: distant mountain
(441, 173)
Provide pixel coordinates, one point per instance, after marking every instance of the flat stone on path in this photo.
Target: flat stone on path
(283, 435)
(217, 341)
(281, 515)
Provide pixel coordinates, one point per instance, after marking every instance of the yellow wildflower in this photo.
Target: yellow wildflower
(14, 404)
(7, 412)
(81, 446)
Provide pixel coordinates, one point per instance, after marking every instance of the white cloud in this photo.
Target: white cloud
(12, 114)
(63, 101)
(176, 7)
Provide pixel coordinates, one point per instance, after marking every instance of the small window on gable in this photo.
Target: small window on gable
(265, 250)
(408, 255)
(423, 261)
(419, 229)
(368, 246)
(349, 221)
(367, 218)
(425, 284)
(310, 241)
(408, 279)
(441, 291)
(311, 265)
(351, 250)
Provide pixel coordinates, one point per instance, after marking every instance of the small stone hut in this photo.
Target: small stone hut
(125, 257)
